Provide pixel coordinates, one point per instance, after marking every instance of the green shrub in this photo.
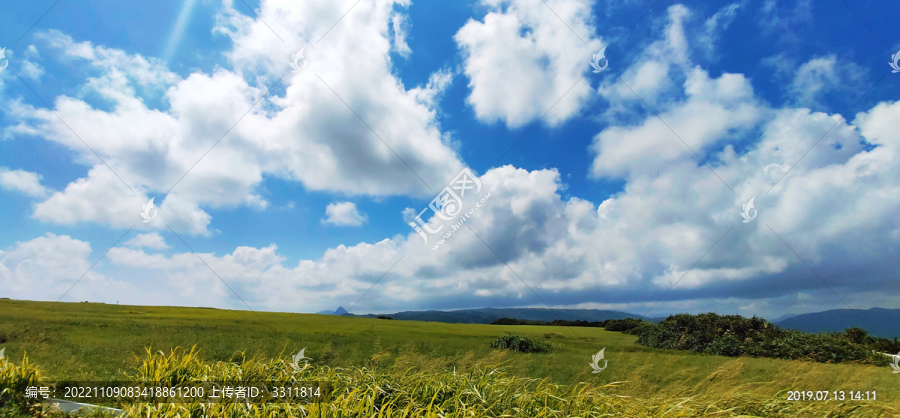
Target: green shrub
(825, 348)
(734, 335)
(725, 346)
(856, 335)
(885, 345)
(623, 325)
(640, 329)
(514, 321)
(522, 344)
(578, 323)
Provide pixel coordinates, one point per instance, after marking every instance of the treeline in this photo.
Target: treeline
(614, 324)
(735, 336)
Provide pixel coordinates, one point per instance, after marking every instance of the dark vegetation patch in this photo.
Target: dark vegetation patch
(522, 344)
(735, 336)
(556, 322)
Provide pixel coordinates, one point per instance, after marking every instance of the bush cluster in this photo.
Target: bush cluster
(623, 325)
(577, 323)
(558, 322)
(734, 335)
(522, 344)
(883, 345)
(514, 321)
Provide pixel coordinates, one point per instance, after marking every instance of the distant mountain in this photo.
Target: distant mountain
(489, 315)
(339, 311)
(782, 318)
(884, 322)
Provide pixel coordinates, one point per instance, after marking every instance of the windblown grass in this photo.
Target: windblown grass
(482, 392)
(400, 364)
(13, 381)
(13, 402)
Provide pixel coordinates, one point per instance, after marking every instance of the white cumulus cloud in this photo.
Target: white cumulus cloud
(343, 214)
(22, 181)
(674, 229)
(306, 130)
(152, 240)
(522, 59)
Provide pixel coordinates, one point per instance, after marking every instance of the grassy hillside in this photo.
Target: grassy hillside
(97, 342)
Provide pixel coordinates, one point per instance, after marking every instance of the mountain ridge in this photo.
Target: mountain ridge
(880, 322)
(489, 315)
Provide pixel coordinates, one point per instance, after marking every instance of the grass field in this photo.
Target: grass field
(85, 341)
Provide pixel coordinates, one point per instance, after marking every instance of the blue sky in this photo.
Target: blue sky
(301, 206)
